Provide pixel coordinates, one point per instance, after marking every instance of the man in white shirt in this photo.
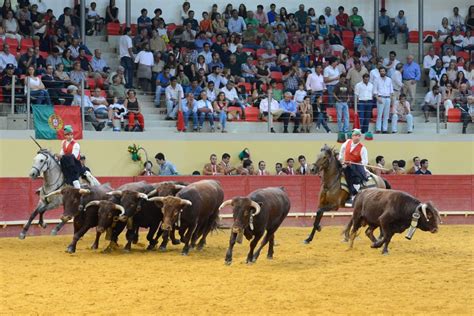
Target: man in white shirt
(236, 23)
(428, 62)
(7, 58)
(173, 93)
(448, 58)
(126, 56)
(205, 110)
(364, 92)
(232, 97)
(397, 81)
(189, 107)
(383, 89)
(330, 19)
(101, 106)
(331, 78)
(274, 109)
(315, 83)
(391, 63)
(401, 111)
(374, 73)
(432, 102)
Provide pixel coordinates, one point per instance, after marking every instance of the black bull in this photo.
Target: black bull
(263, 209)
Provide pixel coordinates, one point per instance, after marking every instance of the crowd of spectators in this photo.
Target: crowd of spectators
(290, 167)
(294, 66)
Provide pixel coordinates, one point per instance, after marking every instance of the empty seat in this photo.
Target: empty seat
(251, 114)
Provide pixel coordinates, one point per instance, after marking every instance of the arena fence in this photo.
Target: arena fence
(452, 194)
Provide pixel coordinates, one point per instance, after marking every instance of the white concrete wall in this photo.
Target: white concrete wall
(435, 10)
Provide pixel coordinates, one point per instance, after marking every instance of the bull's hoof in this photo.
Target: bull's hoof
(175, 242)
(185, 253)
(162, 248)
(70, 249)
(249, 262)
(127, 250)
(150, 247)
(228, 262)
(22, 235)
(94, 247)
(319, 228)
(43, 225)
(385, 252)
(270, 257)
(200, 246)
(307, 241)
(54, 232)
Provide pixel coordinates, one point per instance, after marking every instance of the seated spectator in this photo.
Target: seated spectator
(380, 161)
(173, 94)
(133, 108)
(456, 20)
(26, 60)
(458, 39)
(416, 165)
(140, 40)
(212, 168)
(225, 165)
(306, 111)
(342, 19)
(429, 61)
(101, 106)
(444, 31)
(400, 26)
(99, 64)
(162, 81)
(261, 169)
(246, 169)
(157, 44)
(423, 170)
(220, 111)
(448, 96)
(303, 169)
(6, 83)
(86, 104)
(460, 79)
(385, 25)
(432, 102)
(67, 60)
(55, 86)
(148, 165)
(289, 112)
(165, 168)
(279, 169)
(7, 58)
(396, 168)
(95, 19)
(77, 75)
(436, 72)
(236, 23)
(356, 21)
(11, 27)
(37, 89)
(402, 112)
(54, 59)
(275, 109)
(448, 57)
(468, 44)
(118, 110)
(189, 108)
(235, 105)
(190, 19)
(205, 110)
(219, 25)
(467, 113)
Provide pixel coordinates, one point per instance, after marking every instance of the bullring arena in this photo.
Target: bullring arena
(307, 265)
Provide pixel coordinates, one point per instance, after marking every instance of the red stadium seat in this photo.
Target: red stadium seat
(12, 42)
(463, 54)
(251, 114)
(413, 36)
(454, 115)
(374, 115)
(249, 51)
(332, 114)
(113, 28)
(347, 35)
(426, 33)
(437, 47)
(318, 43)
(247, 85)
(277, 75)
(171, 27)
(91, 83)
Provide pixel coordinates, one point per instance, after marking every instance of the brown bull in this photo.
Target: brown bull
(263, 209)
(194, 212)
(393, 211)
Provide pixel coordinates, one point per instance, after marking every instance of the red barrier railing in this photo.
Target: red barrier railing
(448, 192)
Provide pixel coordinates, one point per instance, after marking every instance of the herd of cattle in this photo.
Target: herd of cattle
(187, 213)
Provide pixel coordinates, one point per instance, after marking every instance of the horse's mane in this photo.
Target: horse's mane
(334, 153)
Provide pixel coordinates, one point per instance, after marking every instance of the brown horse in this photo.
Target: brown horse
(331, 195)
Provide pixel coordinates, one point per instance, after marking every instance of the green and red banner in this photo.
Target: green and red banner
(50, 121)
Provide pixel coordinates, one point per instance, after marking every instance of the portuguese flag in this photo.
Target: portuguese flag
(50, 121)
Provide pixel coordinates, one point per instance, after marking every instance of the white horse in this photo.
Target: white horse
(45, 163)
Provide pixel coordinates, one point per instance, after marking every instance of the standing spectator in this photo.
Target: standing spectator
(383, 89)
(423, 168)
(304, 168)
(400, 26)
(356, 21)
(364, 92)
(467, 113)
(331, 78)
(111, 13)
(432, 102)
(37, 88)
(342, 92)
(173, 94)
(133, 108)
(289, 112)
(165, 168)
(205, 110)
(397, 81)
(385, 25)
(356, 73)
(279, 169)
(126, 56)
(145, 61)
(470, 18)
(411, 74)
(315, 83)
(380, 161)
(402, 112)
(428, 62)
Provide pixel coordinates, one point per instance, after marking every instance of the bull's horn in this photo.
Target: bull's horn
(224, 204)
(120, 208)
(179, 186)
(423, 210)
(92, 203)
(256, 206)
(153, 192)
(53, 193)
(84, 191)
(187, 202)
(157, 198)
(142, 196)
(116, 192)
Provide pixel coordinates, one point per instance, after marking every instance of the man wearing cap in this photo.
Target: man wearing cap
(69, 157)
(6, 83)
(353, 151)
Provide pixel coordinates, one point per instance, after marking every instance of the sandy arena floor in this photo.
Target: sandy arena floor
(430, 274)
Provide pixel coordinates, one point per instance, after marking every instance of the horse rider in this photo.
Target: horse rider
(69, 157)
(354, 157)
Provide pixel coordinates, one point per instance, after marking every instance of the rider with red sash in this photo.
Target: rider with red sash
(354, 157)
(70, 156)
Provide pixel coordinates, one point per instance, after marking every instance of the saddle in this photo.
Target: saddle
(370, 183)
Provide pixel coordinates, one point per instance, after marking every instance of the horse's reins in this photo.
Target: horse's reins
(48, 156)
(336, 179)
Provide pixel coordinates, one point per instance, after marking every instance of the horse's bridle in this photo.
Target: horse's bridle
(47, 161)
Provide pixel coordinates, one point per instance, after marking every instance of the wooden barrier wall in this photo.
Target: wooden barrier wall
(448, 192)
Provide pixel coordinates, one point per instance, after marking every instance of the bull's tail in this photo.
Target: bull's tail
(387, 184)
